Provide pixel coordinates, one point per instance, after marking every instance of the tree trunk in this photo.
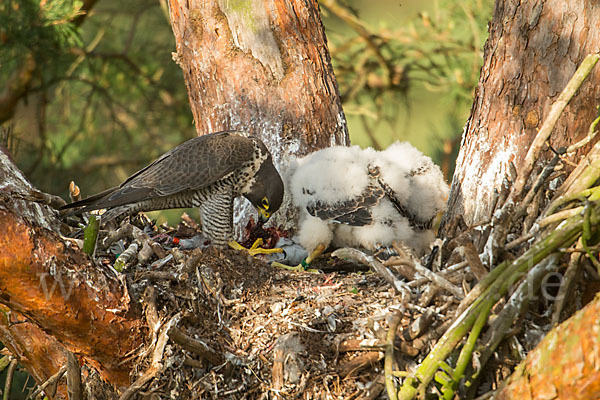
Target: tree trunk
(533, 49)
(262, 67)
(564, 365)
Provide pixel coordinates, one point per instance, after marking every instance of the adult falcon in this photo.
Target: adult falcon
(208, 172)
(348, 196)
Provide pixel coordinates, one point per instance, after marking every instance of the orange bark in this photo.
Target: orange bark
(66, 301)
(565, 363)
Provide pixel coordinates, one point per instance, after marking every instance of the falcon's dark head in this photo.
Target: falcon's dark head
(266, 194)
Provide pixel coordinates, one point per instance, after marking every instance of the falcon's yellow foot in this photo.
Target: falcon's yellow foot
(298, 268)
(305, 264)
(255, 248)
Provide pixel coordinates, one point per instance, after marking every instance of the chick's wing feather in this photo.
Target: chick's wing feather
(355, 211)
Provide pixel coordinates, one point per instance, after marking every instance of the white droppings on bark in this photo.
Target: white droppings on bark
(476, 183)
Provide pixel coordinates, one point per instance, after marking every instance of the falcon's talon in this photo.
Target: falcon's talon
(254, 249)
(235, 245)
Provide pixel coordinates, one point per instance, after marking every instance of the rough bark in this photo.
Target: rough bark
(564, 365)
(260, 66)
(533, 49)
(53, 297)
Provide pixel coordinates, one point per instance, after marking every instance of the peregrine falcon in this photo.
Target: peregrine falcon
(208, 172)
(356, 197)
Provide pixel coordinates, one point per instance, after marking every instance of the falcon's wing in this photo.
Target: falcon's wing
(354, 212)
(193, 165)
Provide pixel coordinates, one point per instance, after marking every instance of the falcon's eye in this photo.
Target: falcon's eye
(265, 203)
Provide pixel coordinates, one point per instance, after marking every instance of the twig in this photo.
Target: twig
(467, 351)
(9, 378)
(195, 346)
(591, 135)
(149, 246)
(124, 231)
(474, 261)
(361, 345)
(582, 177)
(587, 234)
(126, 257)
(539, 182)
(581, 196)
(560, 216)
(51, 381)
(43, 198)
(159, 276)
(73, 377)
(514, 307)
(515, 243)
(74, 192)
(388, 364)
(446, 273)
(385, 273)
(4, 362)
(440, 281)
(361, 361)
(569, 280)
(418, 326)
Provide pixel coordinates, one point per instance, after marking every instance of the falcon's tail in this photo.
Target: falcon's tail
(89, 204)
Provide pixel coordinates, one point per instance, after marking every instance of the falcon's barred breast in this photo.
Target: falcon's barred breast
(208, 172)
(357, 197)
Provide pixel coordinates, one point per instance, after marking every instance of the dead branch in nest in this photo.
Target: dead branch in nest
(363, 360)
(474, 261)
(564, 293)
(439, 280)
(476, 308)
(156, 364)
(385, 273)
(195, 346)
(389, 356)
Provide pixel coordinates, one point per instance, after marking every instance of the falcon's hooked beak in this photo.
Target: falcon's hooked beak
(263, 215)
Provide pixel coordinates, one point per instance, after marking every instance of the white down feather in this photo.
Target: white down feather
(340, 173)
